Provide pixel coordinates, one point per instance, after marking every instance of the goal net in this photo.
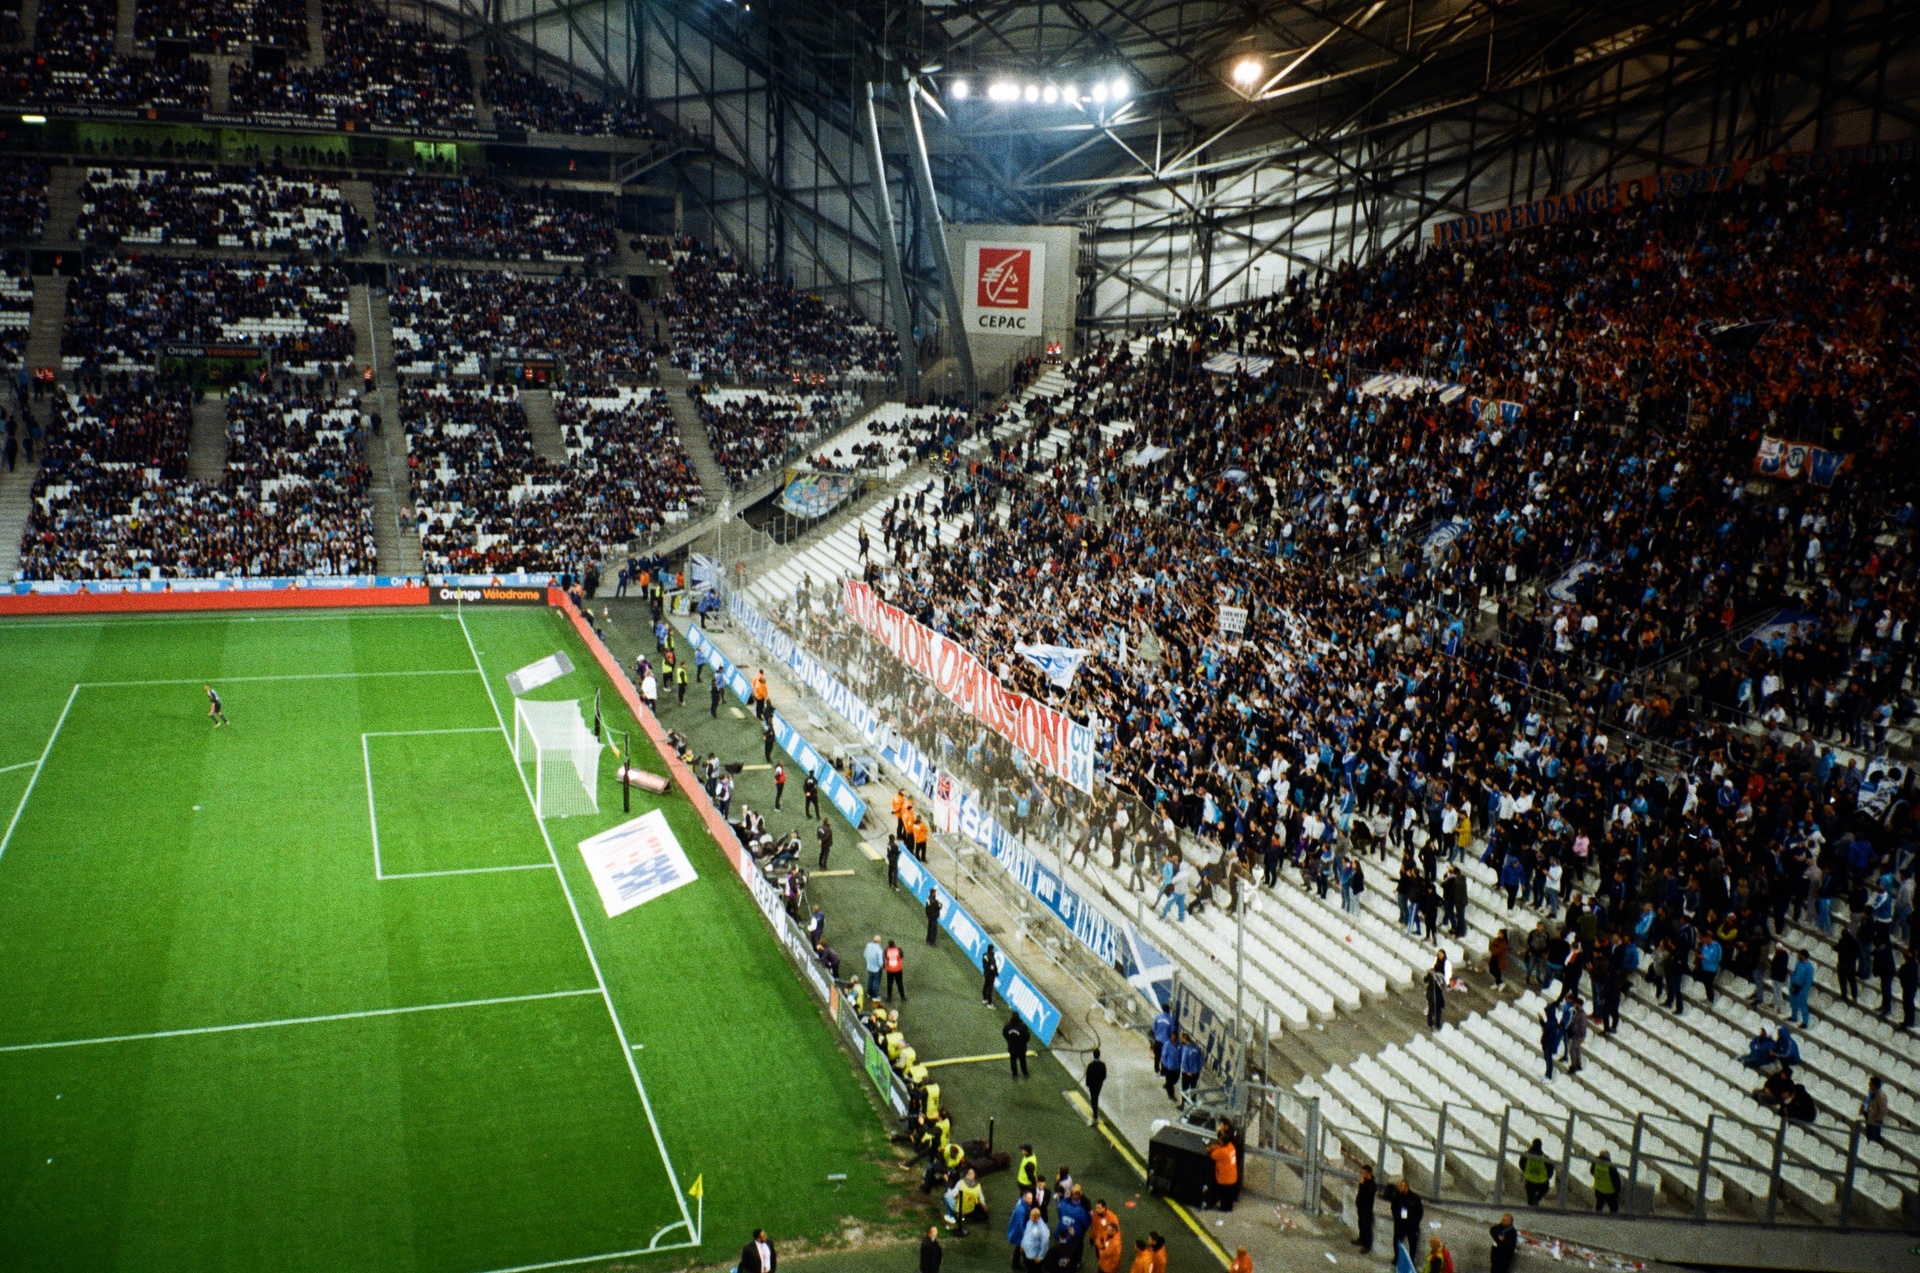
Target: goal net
(563, 753)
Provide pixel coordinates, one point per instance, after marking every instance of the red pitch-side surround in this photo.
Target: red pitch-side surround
(682, 775)
(278, 599)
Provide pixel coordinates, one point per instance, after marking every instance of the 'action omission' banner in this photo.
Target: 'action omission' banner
(1051, 738)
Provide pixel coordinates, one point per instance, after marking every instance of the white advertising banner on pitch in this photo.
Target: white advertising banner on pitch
(636, 862)
(1006, 287)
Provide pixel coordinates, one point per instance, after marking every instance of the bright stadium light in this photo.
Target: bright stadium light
(1247, 74)
(1033, 92)
(1002, 91)
(1050, 94)
(1099, 92)
(1120, 88)
(1071, 95)
(957, 90)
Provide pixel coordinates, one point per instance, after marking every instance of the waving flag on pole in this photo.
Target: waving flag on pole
(1059, 662)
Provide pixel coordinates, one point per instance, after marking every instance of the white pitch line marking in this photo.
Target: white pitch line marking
(290, 1021)
(38, 765)
(593, 960)
(291, 676)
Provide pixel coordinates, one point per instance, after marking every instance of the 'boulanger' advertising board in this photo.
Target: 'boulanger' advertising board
(1006, 285)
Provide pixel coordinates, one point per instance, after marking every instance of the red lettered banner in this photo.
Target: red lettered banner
(1051, 738)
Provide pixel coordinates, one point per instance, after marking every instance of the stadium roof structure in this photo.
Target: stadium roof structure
(1258, 136)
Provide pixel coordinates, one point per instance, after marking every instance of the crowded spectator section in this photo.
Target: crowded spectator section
(378, 71)
(522, 98)
(750, 430)
(216, 208)
(16, 306)
(125, 314)
(487, 503)
(465, 323)
(23, 199)
(730, 325)
(482, 219)
(72, 62)
(1538, 613)
(112, 499)
(223, 26)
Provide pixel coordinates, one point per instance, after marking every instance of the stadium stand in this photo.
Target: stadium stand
(729, 325)
(16, 306)
(487, 502)
(449, 323)
(124, 310)
(216, 208)
(1420, 703)
(378, 70)
(223, 26)
(522, 98)
(112, 499)
(476, 218)
(752, 429)
(72, 61)
(23, 199)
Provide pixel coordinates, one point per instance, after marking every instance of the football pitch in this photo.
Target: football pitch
(318, 990)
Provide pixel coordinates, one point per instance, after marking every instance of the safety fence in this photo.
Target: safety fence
(1489, 1153)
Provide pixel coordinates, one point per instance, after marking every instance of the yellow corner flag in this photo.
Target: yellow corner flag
(699, 1189)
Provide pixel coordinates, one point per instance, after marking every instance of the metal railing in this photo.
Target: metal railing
(1479, 1153)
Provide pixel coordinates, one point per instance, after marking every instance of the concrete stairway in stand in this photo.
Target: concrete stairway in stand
(547, 442)
(16, 506)
(49, 320)
(316, 30)
(63, 205)
(482, 108)
(207, 443)
(123, 35)
(693, 435)
(396, 538)
(359, 194)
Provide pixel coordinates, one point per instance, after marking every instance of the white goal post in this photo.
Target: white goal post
(564, 754)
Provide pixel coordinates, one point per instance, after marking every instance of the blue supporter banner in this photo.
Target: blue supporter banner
(1034, 1009)
(834, 787)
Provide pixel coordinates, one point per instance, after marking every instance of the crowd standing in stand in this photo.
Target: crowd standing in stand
(1395, 691)
(23, 198)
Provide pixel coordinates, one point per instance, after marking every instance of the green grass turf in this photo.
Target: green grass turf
(166, 876)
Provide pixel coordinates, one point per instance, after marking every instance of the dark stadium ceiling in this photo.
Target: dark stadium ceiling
(1337, 84)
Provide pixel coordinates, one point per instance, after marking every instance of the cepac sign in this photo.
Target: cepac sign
(1006, 288)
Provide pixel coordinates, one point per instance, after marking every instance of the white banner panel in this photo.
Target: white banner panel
(636, 862)
(1005, 290)
(538, 673)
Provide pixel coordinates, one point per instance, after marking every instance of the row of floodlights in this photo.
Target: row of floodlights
(1103, 92)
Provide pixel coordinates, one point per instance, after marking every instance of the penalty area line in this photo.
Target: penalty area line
(38, 765)
(289, 676)
(293, 1021)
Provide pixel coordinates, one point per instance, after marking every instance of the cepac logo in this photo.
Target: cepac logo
(1005, 276)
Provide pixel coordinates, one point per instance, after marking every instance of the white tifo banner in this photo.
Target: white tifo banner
(636, 862)
(1005, 289)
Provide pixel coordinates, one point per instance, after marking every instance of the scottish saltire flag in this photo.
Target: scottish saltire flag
(1059, 662)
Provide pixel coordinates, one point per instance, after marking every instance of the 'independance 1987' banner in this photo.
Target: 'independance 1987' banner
(1052, 738)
